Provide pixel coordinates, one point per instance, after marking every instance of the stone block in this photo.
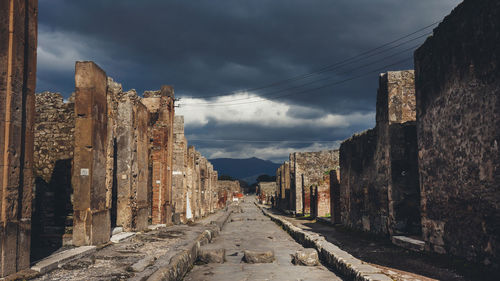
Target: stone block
(258, 256)
(209, 255)
(306, 257)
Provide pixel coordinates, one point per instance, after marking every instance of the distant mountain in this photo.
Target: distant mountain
(244, 169)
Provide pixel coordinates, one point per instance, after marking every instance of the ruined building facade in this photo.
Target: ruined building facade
(307, 169)
(104, 158)
(457, 77)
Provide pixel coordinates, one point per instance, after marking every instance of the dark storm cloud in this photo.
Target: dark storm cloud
(210, 47)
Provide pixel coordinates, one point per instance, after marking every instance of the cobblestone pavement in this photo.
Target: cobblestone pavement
(117, 261)
(251, 230)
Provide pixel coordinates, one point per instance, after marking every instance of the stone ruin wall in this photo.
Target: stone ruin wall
(458, 127)
(379, 176)
(132, 153)
(397, 165)
(18, 30)
(321, 201)
(267, 190)
(335, 205)
(179, 174)
(160, 104)
(357, 155)
(309, 169)
(54, 130)
(197, 184)
(230, 186)
(73, 140)
(190, 183)
(91, 216)
(283, 186)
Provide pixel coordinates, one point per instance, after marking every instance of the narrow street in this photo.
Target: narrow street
(251, 230)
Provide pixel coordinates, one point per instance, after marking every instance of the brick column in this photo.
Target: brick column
(91, 224)
(18, 33)
(163, 139)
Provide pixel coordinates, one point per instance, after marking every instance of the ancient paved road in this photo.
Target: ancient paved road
(251, 230)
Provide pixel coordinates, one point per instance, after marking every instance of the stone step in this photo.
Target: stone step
(408, 243)
(59, 259)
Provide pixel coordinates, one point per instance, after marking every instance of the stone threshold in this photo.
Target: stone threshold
(330, 254)
(59, 259)
(117, 238)
(408, 243)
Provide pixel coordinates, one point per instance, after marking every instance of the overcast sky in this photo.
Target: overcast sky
(210, 48)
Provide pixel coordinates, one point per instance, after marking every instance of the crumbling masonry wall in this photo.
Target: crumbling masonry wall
(458, 127)
(283, 186)
(91, 224)
(52, 213)
(308, 169)
(191, 184)
(379, 176)
(18, 33)
(321, 200)
(132, 156)
(266, 190)
(161, 106)
(335, 205)
(179, 174)
(358, 194)
(397, 166)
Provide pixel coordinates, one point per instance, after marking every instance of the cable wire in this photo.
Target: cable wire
(320, 70)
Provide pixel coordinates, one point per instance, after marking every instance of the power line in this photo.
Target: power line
(309, 83)
(320, 87)
(321, 70)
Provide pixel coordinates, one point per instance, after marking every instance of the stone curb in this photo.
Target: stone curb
(183, 261)
(343, 262)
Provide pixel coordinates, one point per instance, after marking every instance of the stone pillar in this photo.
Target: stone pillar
(18, 43)
(322, 198)
(190, 181)
(161, 105)
(203, 183)
(335, 196)
(179, 186)
(296, 184)
(396, 154)
(91, 224)
(285, 196)
(132, 152)
(197, 186)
